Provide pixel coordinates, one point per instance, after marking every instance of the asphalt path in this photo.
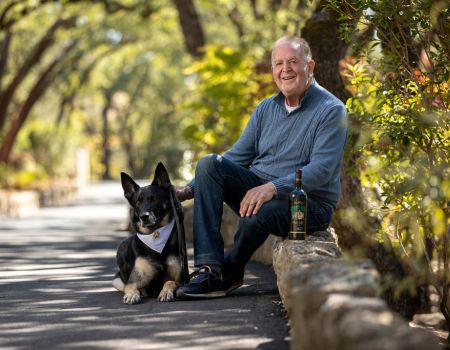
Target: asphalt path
(56, 269)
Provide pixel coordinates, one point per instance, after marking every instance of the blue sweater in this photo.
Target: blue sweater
(312, 137)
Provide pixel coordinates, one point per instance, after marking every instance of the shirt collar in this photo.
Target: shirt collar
(280, 98)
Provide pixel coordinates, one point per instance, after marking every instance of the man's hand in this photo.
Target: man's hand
(256, 197)
(183, 193)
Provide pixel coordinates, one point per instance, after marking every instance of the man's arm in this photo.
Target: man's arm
(244, 150)
(184, 193)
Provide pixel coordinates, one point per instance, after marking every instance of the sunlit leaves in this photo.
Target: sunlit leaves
(224, 90)
(405, 146)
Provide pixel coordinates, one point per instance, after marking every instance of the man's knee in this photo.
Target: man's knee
(208, 163)
(273, 217)
(249, 222)
(260, 222)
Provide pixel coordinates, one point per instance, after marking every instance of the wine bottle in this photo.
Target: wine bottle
(298, 208)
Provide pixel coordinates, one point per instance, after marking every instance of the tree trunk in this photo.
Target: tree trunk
(105, 136)
(33, 58)
(322, 32)
(191, 27)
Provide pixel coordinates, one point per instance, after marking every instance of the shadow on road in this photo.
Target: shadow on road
(55, 290)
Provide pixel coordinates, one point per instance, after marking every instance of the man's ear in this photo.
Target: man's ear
(161, 177)
(311, 64)
(128, 185)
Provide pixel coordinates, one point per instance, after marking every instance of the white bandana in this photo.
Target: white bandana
(159, 242)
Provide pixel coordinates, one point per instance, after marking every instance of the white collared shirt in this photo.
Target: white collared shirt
(289, 108)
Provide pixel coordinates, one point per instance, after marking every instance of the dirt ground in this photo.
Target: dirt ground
(432, 320)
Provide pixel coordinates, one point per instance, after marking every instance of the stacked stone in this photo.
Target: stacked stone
(334, 303)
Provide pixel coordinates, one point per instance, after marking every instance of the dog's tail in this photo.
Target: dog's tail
(118, 283)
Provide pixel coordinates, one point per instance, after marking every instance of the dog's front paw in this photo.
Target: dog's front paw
(166, 295)
(132, 298)
(168, 291)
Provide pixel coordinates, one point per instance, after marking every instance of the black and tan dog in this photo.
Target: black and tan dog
(149, 261)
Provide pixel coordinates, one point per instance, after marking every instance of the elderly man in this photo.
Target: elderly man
(303, 126)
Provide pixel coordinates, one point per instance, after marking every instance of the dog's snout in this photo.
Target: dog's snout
(145, 215)
(148, 218)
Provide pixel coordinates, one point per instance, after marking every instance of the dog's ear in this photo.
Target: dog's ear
(161, 177)
(128, 185)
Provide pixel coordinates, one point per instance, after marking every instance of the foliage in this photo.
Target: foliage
(145, 82)
(43, 152)
(405, 154)
(224, 91)
(400, 88)
(118, 48)
(112, 48)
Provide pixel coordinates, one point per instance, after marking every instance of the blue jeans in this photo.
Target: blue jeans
(218, 180)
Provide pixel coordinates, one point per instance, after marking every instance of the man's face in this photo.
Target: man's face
(290, 71)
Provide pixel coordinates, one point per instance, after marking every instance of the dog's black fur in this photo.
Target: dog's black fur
(143, 271)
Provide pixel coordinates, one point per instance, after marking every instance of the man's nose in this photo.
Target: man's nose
(286, 66)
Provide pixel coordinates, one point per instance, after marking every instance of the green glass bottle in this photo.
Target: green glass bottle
(298, 208)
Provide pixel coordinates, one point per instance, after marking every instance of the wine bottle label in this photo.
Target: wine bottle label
(297, 212)
(298, 219)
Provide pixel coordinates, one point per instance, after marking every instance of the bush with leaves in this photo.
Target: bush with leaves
(44, 152)
(225, 88)
(400, 85)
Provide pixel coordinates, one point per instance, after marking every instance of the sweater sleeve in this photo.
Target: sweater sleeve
(244, 150)
(326, 156)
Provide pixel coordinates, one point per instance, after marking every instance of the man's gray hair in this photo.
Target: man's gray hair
(297, 42)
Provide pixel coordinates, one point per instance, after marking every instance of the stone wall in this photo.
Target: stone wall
(18, 203)
(332, 303)
(25, 203)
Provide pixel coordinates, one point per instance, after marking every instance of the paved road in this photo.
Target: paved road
(55, 290)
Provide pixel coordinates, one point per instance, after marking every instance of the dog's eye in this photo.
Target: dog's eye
(152, 198)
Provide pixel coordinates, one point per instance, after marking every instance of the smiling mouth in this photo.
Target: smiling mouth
(288, 78)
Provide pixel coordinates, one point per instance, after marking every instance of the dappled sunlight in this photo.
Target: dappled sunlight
(55, 289)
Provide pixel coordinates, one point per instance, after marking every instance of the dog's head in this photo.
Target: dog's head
(151, 204)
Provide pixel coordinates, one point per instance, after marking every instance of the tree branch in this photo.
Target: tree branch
(33, 58)
(6, 23)
(68, 99)
(236, 18)
(9, 7)
(4, 50)
(191, 27)
(36, 92)
(256, 14)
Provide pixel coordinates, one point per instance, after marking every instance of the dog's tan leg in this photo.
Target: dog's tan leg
(173, 267)
(141, 275)
(168, 291)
